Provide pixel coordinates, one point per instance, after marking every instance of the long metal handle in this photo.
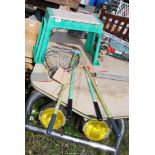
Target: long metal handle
(98, 92)
(69, 109)
(97, 109)
(71, 139)
(71, 90)
(98, 112)
(51, 124)
(114, 126)
(53, 118)
(70, 97)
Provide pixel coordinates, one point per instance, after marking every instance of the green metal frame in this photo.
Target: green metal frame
(49, 23)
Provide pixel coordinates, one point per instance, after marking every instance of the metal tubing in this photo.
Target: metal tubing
(72, 139)
(118, 140)
(96, 106)
(71, 89)
(113, 150)
(34, 96)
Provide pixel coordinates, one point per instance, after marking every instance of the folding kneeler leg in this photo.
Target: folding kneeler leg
(62, 19)
(89, 46)
(39, 39)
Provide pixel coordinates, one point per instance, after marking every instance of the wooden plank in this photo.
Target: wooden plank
(72, 3)
(31, 29)
(115, 93)
(28, 60)
(42, 5)
(28, 66)
(64, 7)
(31, 33)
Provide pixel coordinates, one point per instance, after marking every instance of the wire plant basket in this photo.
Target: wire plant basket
(66, 58)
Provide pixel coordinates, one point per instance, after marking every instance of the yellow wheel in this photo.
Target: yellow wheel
(95, 130)
(45, 117)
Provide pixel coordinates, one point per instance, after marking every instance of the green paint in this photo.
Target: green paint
(71, 90)
(91, 88)
(59, 99)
